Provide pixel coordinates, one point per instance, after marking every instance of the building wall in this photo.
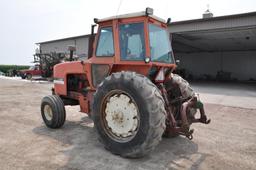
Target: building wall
(242, 65)
(81, 45)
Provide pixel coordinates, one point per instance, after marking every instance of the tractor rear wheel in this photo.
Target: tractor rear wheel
(53, 111)
(178, 87)
(129, 114)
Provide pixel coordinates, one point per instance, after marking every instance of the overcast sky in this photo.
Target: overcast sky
(25, 22)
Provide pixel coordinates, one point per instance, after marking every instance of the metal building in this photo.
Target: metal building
(210, 45)
(61, 45)
(206, 47)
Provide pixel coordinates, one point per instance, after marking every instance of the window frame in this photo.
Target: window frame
(169, 43)
(144, 41)
(98, 40)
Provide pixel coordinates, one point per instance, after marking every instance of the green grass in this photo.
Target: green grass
(5, 68)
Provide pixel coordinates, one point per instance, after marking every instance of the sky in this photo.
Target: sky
(26, 22)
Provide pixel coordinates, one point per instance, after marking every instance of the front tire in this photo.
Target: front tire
(23, 76)
(129, 114)
(53, 111)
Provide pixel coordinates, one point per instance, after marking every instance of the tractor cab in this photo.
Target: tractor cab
(137, 42)
(138, 36)
(132, 42)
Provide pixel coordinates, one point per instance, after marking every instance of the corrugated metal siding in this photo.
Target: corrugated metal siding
(81, 45)
(249, 21)
(59, 47)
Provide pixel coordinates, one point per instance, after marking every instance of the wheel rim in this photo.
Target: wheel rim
(48, 112)
(121, 116)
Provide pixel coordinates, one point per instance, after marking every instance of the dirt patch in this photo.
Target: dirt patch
(25, 143)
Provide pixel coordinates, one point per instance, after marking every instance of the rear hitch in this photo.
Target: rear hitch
(189, 134)
(185, 131)
(203, 118)
(184, 128)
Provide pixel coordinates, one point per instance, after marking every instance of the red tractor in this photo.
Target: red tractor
(126, 86)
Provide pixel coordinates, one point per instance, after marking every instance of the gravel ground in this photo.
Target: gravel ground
(229, 142)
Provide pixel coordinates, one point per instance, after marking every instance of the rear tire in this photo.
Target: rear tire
(53, 111)
(177, 87)
(144, 99)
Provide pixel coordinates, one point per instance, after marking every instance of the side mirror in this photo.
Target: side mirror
(96, 20)
(177, 62)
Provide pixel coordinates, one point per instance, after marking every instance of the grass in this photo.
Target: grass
(5, 68)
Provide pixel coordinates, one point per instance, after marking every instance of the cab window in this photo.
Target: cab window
(132, 42)
(160, 47)
(105, 45)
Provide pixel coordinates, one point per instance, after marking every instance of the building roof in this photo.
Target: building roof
(171, 24)
(215, 18)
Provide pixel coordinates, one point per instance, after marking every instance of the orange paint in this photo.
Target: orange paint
(61, 71)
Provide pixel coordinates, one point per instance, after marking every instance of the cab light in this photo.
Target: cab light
(147, 59)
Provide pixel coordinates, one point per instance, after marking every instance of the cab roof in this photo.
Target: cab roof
(131, 15)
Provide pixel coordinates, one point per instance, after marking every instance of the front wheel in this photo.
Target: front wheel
(53, 111)
(129, 114)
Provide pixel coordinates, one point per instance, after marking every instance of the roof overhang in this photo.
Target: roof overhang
(217, 34)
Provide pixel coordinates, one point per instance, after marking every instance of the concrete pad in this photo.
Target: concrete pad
(227, 94)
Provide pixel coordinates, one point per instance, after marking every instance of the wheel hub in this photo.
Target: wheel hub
(122, 115)
(48, 112)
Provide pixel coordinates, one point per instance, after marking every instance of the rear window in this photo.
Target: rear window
(132, 41)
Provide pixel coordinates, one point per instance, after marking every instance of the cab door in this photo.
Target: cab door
(104, 54)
